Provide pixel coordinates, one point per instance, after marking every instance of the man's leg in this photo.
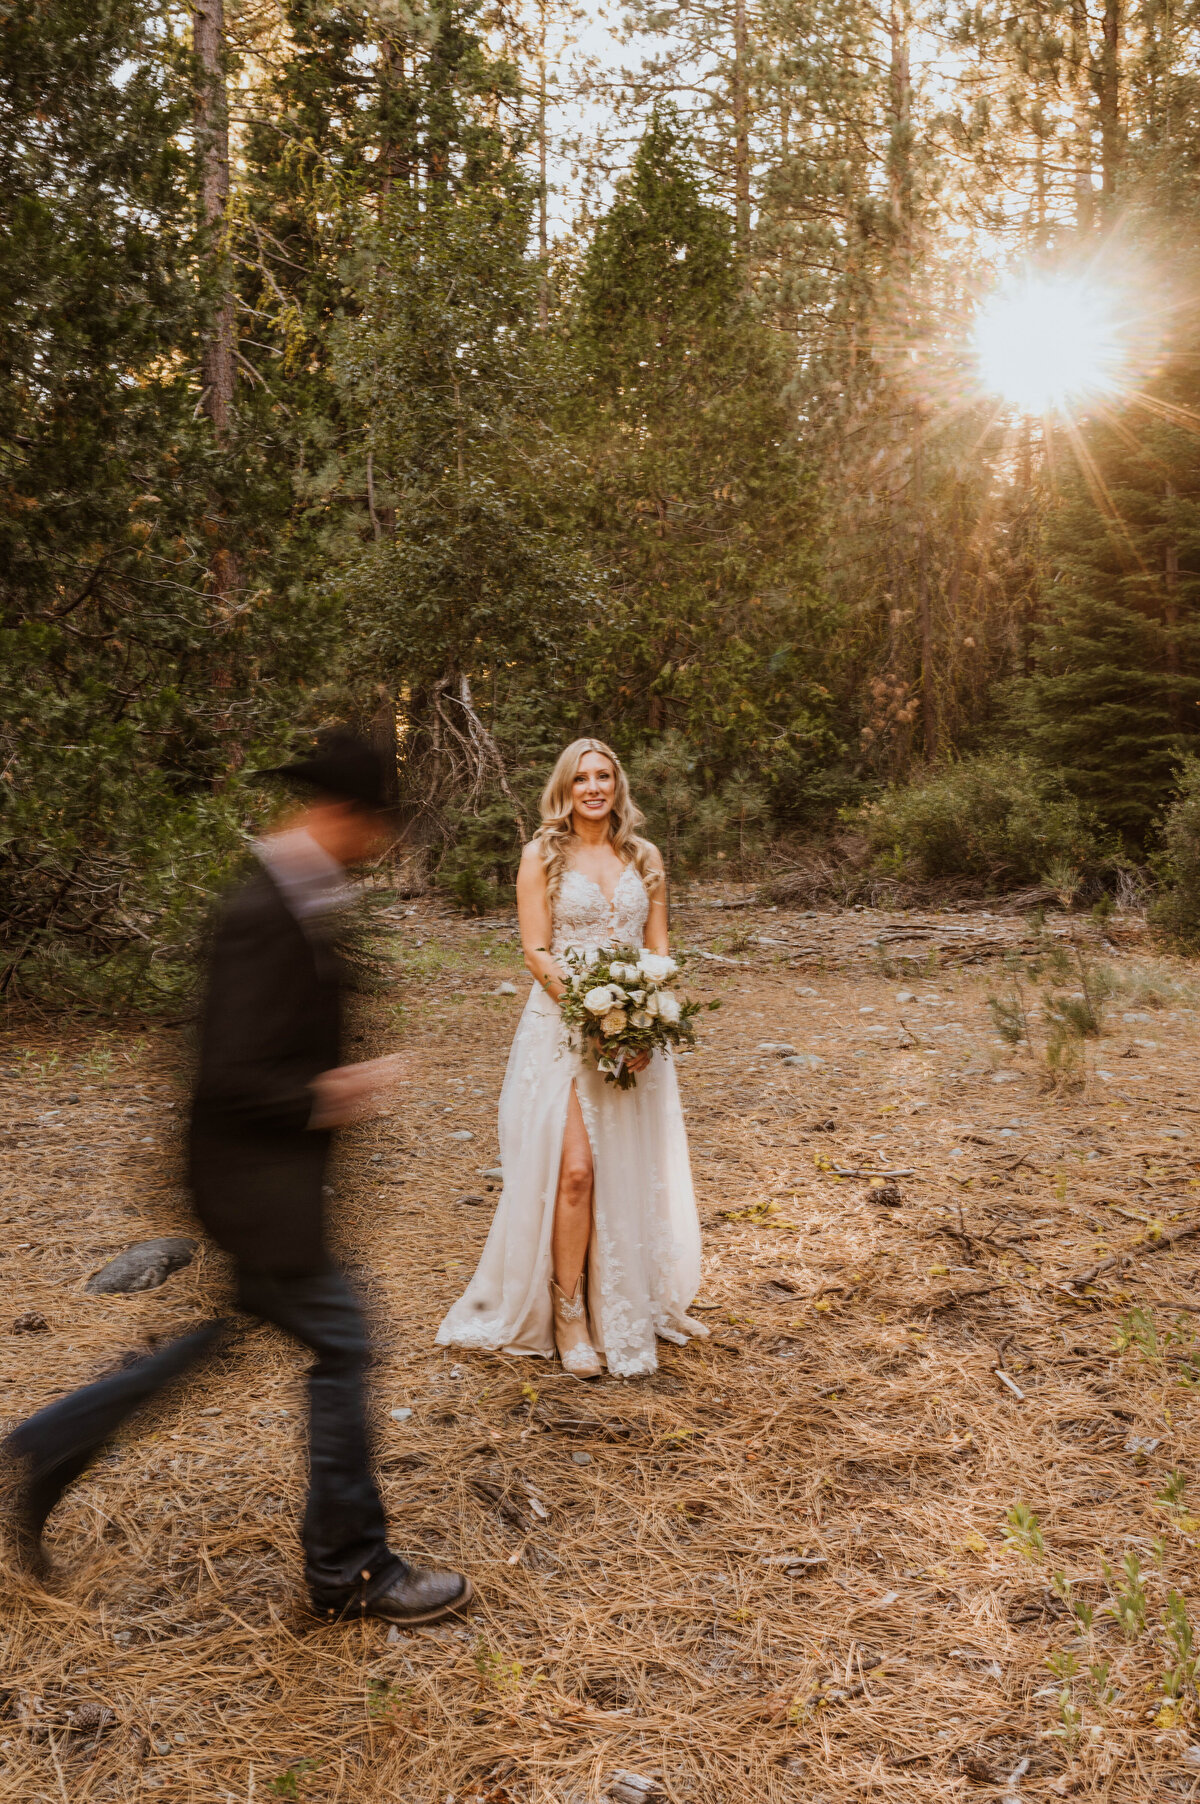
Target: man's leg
(51, 1449)
(344, 1532)
(348, 1564)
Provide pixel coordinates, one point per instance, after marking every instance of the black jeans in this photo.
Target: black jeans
(347, 1559)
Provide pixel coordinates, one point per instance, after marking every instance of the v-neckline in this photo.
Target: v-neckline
(610, 902)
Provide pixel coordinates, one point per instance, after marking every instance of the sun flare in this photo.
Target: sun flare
(1046, 344)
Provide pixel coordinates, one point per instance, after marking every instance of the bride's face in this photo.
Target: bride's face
(593, 788)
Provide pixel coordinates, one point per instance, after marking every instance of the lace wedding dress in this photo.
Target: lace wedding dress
(644, 1257)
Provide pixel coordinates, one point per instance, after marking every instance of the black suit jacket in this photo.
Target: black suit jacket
(271, 1023)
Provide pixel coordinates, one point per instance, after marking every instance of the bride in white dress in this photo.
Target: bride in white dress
(595, 1246)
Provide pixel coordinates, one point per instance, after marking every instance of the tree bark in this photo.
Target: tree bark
(212, 142)
(929, 710)
(1171, 615)
(395, 158)
(1082, 80)
(543, 220)
(899, 153)
(385, 740)
(217, 352)
(1109, 97)
(741, 127)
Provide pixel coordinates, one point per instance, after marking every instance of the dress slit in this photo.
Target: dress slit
(589, 1258)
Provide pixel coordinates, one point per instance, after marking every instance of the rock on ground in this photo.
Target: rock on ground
(143, 1266)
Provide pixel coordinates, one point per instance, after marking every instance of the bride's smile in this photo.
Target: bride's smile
(592, 794)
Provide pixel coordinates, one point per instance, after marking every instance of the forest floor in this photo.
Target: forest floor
(907, 1527)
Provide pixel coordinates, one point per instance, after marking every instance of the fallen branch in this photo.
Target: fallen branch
(610, 1428)
(845, 1171)
(735, 902)
(1141, 1248)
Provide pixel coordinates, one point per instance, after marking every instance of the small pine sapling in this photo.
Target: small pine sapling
(1127, 1605)
(1022, 1532)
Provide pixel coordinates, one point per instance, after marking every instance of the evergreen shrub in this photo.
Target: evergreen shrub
(477, 871)
(995, 817)
(697, 825)
(1177, 910)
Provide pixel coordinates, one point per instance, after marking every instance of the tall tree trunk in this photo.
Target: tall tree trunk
(217, 353)
(929, 710)
(1171, 614)
(1082, 83)
(395, 151)
(385, 740)
(1039, 172)
(785, 111)
(1109, 99)
(1085, 201)
(899, 153)
(212, 142)
(543, 192)
(741, 127)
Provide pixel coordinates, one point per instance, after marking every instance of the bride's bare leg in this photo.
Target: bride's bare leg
(569, 1245)
(573, 1204)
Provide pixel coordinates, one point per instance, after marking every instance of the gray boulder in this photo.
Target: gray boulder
(143, 1266)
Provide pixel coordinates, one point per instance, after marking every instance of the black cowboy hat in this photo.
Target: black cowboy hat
(341, 766)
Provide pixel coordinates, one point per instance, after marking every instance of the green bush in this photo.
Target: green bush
(1177, 911)
(478, 869)
(696, 826)
(996, 817)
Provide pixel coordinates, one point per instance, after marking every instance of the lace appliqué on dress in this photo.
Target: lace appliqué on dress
(583, 915)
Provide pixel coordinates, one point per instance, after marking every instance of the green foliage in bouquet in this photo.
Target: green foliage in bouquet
(620, 1003)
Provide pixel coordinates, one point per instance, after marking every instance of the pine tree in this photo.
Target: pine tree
(115, 673)
(421, 386)
(1092, 116)
(1113, 701)
(705, 510)
(478, 593)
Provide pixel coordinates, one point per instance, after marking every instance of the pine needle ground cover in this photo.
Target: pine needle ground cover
(916, 1523)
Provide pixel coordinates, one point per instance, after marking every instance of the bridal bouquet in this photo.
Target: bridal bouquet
(622, 1002)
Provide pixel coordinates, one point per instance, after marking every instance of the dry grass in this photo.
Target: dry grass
(814, 1558)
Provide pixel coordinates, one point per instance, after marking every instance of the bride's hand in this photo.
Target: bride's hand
(640, 1063)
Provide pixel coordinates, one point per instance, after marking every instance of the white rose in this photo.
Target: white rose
(599, 1000)
(613, 1022)
(656, 967)
(640, 1018)
(668, 1008)
(651, 1005)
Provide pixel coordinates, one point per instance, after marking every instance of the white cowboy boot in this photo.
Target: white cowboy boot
(575, 1349)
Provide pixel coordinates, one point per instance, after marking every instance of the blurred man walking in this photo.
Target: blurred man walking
(269, 1092)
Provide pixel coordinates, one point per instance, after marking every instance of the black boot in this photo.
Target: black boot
(415, 1595)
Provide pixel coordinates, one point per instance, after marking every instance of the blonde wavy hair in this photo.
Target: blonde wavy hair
(553, 838)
